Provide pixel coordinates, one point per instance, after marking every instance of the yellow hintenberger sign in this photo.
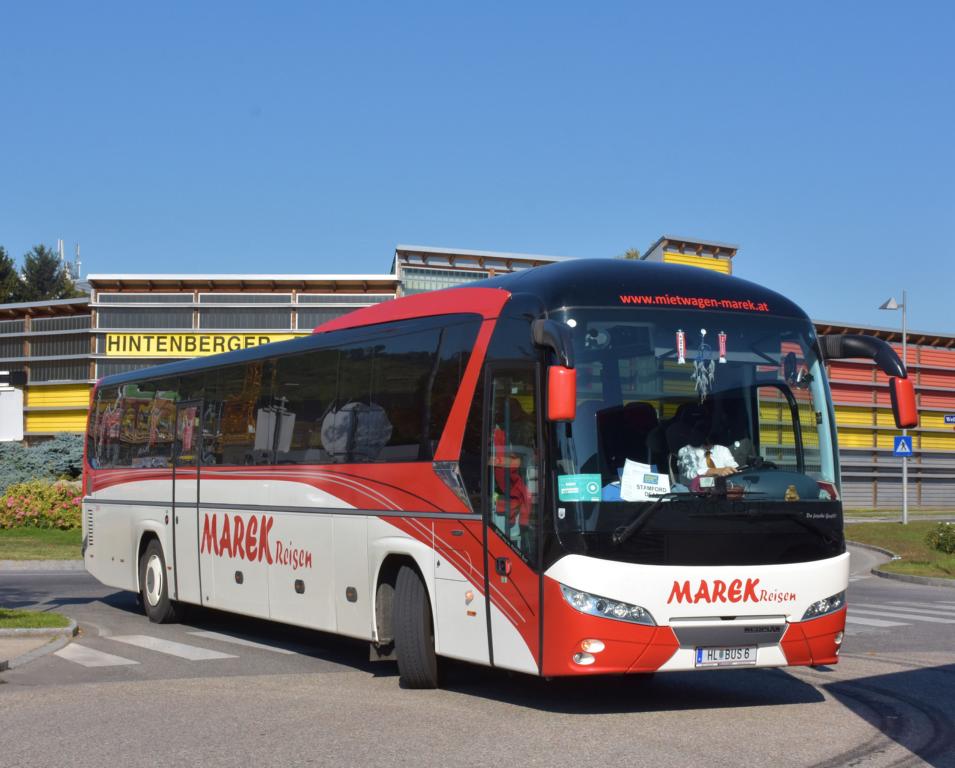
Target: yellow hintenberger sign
(186, 344)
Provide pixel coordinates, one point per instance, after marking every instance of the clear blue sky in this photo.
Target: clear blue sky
(308, 137)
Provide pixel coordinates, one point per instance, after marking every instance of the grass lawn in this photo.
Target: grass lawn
(914, 514)
(908, 541)
(40, 544)
(14, 618)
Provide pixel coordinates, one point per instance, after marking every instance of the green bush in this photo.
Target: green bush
(41, 504)
(942, 538)
(57, 459)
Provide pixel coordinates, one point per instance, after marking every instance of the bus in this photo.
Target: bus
(502, 473)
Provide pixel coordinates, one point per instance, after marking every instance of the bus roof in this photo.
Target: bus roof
(624, 282)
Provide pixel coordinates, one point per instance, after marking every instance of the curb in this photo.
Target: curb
(929, 581)
(60, 636)
(924, 580)
(873, 548)
(41, 565)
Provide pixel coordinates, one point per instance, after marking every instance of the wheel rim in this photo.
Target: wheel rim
(153, 580)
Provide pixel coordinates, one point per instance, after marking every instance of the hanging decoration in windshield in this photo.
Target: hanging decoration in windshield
(704, 369)
(681, 347)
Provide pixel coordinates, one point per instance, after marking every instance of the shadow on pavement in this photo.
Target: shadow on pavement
(673, 691)
(913, 707)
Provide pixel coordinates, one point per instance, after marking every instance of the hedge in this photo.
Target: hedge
(41, 504)
(942, 538)
(56, 459)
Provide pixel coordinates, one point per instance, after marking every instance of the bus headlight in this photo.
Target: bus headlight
(607, 608)
(823, 607)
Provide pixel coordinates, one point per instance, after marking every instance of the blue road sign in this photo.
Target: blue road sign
(950, 418)
(903, 446)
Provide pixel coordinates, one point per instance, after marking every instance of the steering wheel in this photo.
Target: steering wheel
(757, 462)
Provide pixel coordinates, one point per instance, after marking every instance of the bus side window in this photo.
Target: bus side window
(513, 457)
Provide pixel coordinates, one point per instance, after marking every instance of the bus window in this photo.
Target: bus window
(305, 388)
(104, 442)
(234, 397)
(513, 459)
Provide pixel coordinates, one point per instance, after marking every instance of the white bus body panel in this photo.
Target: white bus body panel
(785, 590)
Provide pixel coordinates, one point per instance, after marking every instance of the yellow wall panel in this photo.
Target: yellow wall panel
(853, 416)
(855, 438)
(934, 442)
(935, 420)
(59, 396)
(56, 421)
(690, 260)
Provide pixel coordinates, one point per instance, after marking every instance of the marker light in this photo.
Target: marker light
(584, 659)
(592, 646)
(840, 635)
(825, 607)
(607, 608)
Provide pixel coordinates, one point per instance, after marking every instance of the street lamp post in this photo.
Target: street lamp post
(893, 304)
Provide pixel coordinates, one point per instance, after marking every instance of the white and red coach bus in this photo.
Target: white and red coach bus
(519, 473)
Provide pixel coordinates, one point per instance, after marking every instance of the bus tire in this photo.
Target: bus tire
(154, 586)
(414, 632)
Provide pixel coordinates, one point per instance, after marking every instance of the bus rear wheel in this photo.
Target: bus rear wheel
(153, 585)
(414, 632)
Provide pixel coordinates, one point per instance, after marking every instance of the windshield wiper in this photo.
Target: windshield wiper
(624, 532)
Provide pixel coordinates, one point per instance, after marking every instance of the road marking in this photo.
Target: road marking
(931, 608)
(240, 641)
(183, 651)
(898, 615)
(850, 619)
(90, 657)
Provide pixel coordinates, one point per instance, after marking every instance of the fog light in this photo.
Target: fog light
(592, 646)
(583, 659)
(839, 635)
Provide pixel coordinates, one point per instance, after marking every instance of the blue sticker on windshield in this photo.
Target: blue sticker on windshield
(578, 487)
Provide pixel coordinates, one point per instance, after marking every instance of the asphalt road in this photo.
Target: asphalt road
(220, 690)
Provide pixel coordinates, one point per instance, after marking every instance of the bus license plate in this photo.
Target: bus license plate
(726, 657)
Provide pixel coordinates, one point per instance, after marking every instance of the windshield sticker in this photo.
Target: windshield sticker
(681, 346)
(578, 487)
(700, 302)
(704, 369)
(722, 338)
(640, 483)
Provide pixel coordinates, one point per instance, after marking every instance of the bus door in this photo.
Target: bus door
(512, 516)
(185, 497)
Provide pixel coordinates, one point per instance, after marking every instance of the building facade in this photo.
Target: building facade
(133, 321)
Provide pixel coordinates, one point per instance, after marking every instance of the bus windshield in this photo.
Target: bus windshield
(693, 426)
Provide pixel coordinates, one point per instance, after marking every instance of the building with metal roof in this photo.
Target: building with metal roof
(131, 321)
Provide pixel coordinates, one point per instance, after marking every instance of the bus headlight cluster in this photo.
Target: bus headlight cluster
(605, 607)
(823, 607)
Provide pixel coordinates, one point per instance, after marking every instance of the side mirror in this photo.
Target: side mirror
(901, 388)
(556, 337)
(902, 392)
(561, 393)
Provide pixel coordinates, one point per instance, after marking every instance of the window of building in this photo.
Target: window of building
(234, 318)
(420, 280)
(127, 317)
(143, 298)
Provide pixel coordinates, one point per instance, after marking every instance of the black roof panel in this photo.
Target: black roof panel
(601, 282)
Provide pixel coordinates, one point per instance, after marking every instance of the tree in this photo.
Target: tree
(10, 284)
(45, 276)
(631, 254)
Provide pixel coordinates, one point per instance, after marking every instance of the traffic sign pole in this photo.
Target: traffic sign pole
(905, 459)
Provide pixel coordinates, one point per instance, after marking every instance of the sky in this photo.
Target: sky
(308, 137)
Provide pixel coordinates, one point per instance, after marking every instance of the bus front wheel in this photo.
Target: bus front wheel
(414, 632)
(154, 586)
